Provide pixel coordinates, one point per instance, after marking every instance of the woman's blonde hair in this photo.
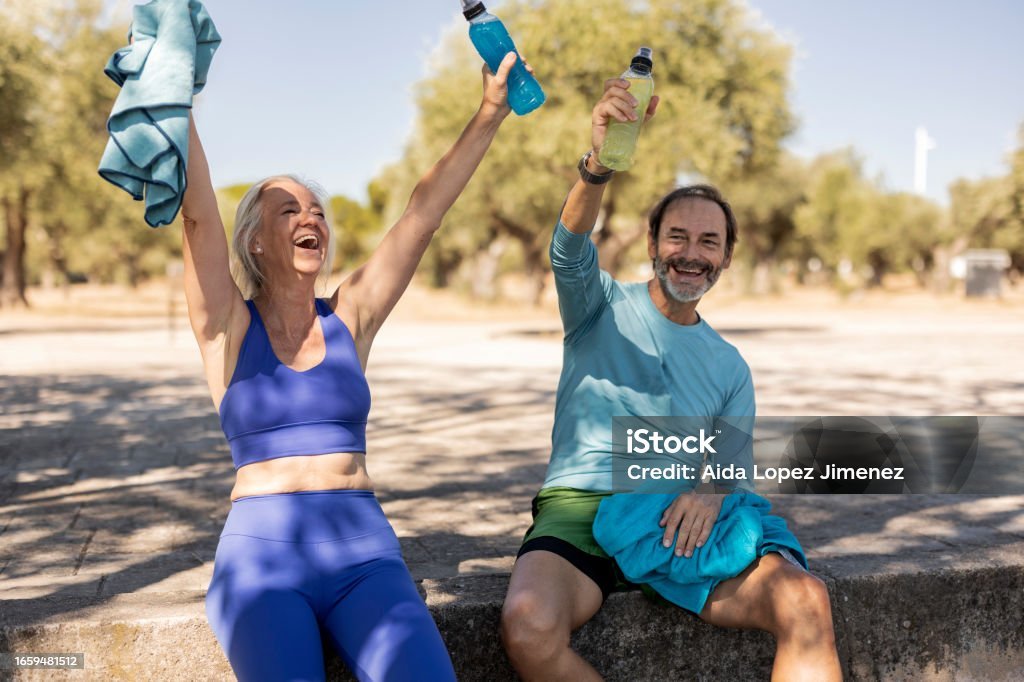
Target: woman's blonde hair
(248, 219)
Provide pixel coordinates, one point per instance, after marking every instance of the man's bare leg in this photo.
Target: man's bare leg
(547, 599)
(774, 595)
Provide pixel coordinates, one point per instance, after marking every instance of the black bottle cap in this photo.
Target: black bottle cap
(473, 10)
(642, 62)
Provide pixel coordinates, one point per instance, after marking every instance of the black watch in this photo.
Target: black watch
(592, 178)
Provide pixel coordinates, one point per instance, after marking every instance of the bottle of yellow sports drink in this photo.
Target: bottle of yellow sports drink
(620, 141)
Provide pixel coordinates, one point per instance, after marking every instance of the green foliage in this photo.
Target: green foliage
(18, 92)
(918, 226)
(764, 203)
(228, 199)
(722, 81)
(989, 213)
(77, 222)
(1017, 176)
(103, 230)
(848, 221)
(355, 227)
(986, 212)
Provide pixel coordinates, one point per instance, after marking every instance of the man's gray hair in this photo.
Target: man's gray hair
(249, 217)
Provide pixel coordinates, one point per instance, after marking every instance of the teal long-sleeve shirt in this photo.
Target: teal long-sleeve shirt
(623, 357)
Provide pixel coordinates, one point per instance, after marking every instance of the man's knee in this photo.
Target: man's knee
(801, 606)
(531, 628)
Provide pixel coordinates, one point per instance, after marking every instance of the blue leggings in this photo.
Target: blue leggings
(292, 565)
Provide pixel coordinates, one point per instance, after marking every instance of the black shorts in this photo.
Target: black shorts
(562, 524)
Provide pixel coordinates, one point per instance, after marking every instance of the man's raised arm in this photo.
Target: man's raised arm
(584, 202)
(578, 280)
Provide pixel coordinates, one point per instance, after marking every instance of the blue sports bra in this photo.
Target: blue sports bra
(270, 410)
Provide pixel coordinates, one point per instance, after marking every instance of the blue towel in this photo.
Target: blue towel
(627, 528)
(147, 154)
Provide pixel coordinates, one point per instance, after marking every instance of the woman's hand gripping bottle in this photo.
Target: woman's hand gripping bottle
(492, 41)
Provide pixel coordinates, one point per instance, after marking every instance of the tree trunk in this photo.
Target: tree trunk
(484, 284)
(533, 246)
(612, 248)
(760, 277)
(12, 290)
(58, 257)
(879, 266)
(443, 267)
(131, 260)
(536, 273)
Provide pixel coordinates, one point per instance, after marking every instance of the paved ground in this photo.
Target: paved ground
(114, 475)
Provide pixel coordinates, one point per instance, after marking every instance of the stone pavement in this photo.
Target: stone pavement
(114, 476)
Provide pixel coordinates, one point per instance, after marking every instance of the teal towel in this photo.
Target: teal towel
(627, 528)
(147, 153)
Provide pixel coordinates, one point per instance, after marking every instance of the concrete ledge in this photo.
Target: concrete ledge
(916, 623)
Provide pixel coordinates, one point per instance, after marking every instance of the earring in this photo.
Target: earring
(259, 249)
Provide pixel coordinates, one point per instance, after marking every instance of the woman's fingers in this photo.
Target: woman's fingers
(503, 69)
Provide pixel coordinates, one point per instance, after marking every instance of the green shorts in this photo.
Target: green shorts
(563, 520)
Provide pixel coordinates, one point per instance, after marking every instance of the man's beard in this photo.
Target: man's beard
(683, 292)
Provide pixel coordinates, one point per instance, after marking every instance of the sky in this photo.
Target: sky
(325, 88)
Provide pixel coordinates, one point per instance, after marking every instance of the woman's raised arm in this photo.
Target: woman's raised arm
(209, 289)
(374, 289)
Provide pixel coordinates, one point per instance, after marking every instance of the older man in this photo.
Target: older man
(642, 349)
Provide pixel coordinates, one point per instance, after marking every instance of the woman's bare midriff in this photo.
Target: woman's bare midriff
(336, 471)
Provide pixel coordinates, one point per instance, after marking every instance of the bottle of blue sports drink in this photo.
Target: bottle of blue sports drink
(620, 141)
(492, 41)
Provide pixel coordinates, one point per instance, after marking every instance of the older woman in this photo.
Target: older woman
(306, 547)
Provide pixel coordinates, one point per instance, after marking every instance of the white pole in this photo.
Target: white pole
(923, 143)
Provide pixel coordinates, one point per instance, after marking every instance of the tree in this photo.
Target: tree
(724, 111)
(357, 226)
(19, 120)
(77, 206)
(838, 211)
(1013, 237)
(765, 203)
(859, 231)
(989, 213)
(985, 213)
(51, 194)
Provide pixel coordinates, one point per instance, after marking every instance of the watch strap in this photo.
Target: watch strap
(592, 178)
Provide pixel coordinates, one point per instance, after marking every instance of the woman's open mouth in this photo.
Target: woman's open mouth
(308, 241)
